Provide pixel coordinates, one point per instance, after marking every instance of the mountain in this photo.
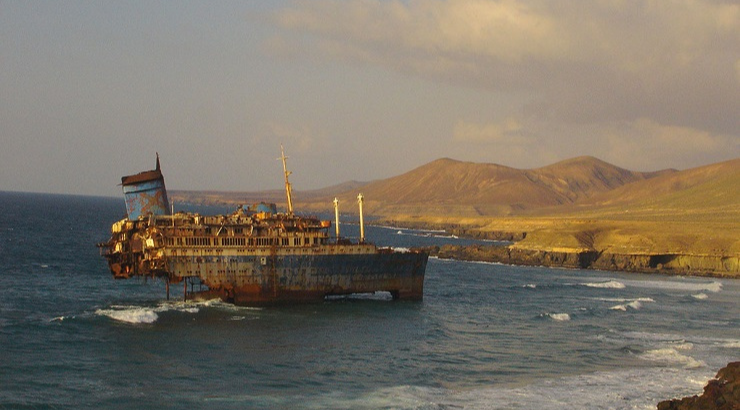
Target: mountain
(580, 187)
(467, 188)
(712, 191)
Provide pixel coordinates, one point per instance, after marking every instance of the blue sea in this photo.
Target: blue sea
(486, 336)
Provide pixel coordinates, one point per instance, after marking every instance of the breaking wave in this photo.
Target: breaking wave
(635, 304)
(612, 284)
(147, 315)
(558, 317)
(700, 296)
(713, 287)
(672, 356)
(130, 314)
(626, 389)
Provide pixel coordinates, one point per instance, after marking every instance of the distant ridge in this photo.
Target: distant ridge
(710, 189)
(467, 188)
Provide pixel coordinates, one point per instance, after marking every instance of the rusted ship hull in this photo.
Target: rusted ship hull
(269, 275)
(263, 280)
(252, 256)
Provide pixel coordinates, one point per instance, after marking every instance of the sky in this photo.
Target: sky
(357, 89)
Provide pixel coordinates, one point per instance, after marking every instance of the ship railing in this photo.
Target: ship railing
(104, 248)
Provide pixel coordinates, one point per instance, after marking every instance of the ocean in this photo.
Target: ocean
(486, 336)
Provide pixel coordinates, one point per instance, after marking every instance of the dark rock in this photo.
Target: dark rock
(721, 393)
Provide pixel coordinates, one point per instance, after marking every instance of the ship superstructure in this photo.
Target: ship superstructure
(254, 255)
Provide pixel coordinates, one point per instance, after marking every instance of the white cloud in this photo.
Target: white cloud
(645, 141)
(601, 61)
(508, 131)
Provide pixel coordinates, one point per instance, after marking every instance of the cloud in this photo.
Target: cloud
(645, 141)
(298, 137)
(508, 131)
(675, 61)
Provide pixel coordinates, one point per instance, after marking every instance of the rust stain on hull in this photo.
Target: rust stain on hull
(255, 255)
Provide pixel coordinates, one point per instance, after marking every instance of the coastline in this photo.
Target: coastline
(720, 393)
(669, 264)
(600, 245)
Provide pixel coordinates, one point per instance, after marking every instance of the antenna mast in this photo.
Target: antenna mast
(288, 189)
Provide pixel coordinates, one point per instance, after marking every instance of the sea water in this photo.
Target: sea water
(486, 336)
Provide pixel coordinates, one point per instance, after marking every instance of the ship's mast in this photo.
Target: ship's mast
(288, 189)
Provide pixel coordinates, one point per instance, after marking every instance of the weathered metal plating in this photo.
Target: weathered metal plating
(255, 255)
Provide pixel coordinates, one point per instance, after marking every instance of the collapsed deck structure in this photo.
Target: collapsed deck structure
(252, 256)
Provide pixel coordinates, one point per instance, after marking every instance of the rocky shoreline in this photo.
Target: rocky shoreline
(720, 393)
(533, 254)
(672, 264)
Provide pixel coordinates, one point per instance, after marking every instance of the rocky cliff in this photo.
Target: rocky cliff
(722, 393)
(698, 265)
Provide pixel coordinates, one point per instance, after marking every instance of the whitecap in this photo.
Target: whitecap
(687, 286)
(627, 389)
(650, 300)
(559, 317)
(634, 304)
(700, 296)
(671, 355)
(135, 315)
(530, 286)
(612, 284)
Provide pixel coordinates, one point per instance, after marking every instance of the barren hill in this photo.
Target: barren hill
(582, 185)
(711, 192)
(687, 220)
(468, 189)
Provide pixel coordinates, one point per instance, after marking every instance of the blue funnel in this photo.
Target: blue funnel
(145, 194)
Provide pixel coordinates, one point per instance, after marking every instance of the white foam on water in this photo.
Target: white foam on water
(530, 286)
(558, 317)
(634, 304)
(612, 284)
(148, 314)
(700, 296)
(132, 314)
(672, 356)
(649, 300)
(687, 286)
(619, 390)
